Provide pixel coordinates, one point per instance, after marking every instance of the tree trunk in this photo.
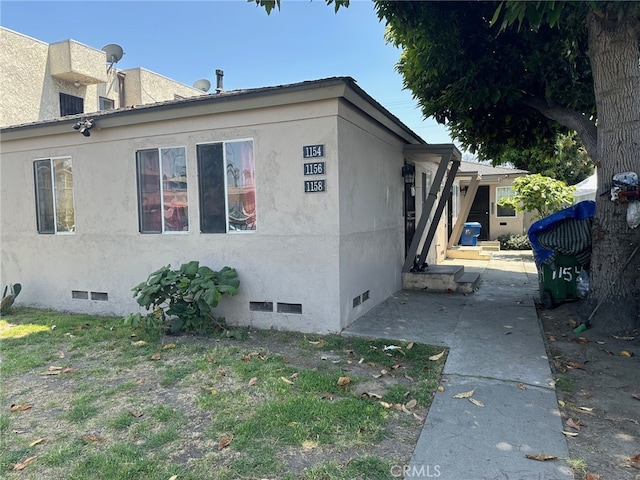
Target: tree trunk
(614, 55)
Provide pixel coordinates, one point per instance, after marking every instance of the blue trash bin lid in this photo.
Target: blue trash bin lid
(473, 224)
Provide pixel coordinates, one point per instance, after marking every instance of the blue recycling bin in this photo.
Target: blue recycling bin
(470, 234)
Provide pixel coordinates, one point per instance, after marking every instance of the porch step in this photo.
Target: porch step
(490, 245)
(442, 278)
(468, 253)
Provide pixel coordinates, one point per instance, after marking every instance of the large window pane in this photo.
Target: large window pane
(212, 193)
(149, 197)
(241, 190)
(45, 214)
(174, 186)
(503, 192)
(63, 180)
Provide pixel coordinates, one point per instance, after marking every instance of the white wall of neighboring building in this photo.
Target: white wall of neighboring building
(315, 250)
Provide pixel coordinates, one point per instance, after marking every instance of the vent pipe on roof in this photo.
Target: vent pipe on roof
(219, 75)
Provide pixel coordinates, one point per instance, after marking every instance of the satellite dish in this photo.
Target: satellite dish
(114, 53)
(202, 84)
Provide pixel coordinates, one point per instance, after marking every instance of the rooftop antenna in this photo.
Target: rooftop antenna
(202, 84)
(114, 54)
(219, 75)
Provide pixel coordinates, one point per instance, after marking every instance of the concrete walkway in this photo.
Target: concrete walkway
(496, 349)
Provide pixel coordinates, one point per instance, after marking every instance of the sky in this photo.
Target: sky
(188, 40)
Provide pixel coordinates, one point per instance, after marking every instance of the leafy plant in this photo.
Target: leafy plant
(539, 194)
(183, 298)
(510, 241)
(9, 296)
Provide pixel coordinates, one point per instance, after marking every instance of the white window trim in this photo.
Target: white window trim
(55, 203)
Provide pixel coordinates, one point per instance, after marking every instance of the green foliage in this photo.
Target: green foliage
(183, 298)
(539, 194)
(569, 161)
(269, 5)
(510, 241)
(9, 296)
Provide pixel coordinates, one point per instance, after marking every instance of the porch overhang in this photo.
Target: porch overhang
(448, 158)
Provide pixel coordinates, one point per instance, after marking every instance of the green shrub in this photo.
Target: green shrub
(509, 241)
(184, 298)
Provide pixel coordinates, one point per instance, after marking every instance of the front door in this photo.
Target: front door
(480, 211)
(409, 215)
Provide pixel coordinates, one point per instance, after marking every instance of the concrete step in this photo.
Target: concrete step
(490, 245)
(442, 278)
(468, 253)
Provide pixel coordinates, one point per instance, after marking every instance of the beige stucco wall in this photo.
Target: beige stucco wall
(307, 247)
(34, 73)
(144, 87)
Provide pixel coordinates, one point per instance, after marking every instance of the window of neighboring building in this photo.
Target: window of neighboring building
(226, 173)
(162, 190)
(54, 195)
(503, 192)
(106, 103)
(70, 105)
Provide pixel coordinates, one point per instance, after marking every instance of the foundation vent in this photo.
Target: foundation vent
(356, 301)
(102, 296)
(365, 296)
(261, 306)
(290, 308)
(79, 294)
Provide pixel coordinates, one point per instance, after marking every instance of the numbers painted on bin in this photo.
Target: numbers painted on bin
(315, 186)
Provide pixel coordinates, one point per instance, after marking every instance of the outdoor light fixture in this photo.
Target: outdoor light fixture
(84, 126)
(408, 172)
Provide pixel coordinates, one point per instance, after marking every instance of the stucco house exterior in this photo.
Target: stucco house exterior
(302, 188)
(485, 185)
(41, 81)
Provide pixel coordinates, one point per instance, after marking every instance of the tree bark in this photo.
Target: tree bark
(614, 55)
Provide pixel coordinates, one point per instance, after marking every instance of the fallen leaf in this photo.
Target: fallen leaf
(173, 477)
(286, 380)
(541, 457)
(412, 403)
(344, 381)
(292, 424)
(92, 438)
(622, 338)
(136, 414)
(552, 338)
(581, 340)
(326, 396)
(383, 372)
(222, 373)
(36, 442)
(69, 370)
(570, 434)
(522, 386)
(418, 417)
(156, 356)
(53, 368)
(52, 372)
(21, 408)
(464, 394)
(475, 402)
(570, 423)
(437, 357)
(636, 396)
(370, 395)
(386, 405)
(586, 409)
(561, 403)
(25, 463)
(139, 343)
(635, 461)
(314, 342)
(575, 365)
(592, 476)
(168, 345)
(408, 377)
(61, 355)
(405, 409)
(440, 388)
(361, 361)
(294, 375)
(410, 346)
(625, 353)
(225, 442)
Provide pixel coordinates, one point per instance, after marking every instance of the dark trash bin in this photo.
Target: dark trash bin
(470, 234)
(561, 245)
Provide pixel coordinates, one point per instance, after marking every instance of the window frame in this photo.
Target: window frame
(54, 197)
(102, 100)
(225, 175)
(65, 100)
(162, 189)
(499, 197)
